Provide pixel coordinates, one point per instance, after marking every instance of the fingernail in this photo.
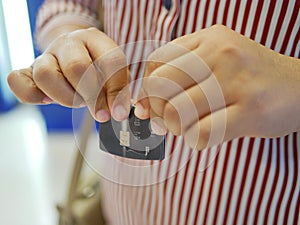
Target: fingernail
(47, 100)
(120, 113)
(139, 110)
(102, 115)
(157, 128)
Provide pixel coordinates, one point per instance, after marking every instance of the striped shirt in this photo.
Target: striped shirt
(242, 181)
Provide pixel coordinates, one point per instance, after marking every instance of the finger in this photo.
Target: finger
(157, 124)
(170, 51)
(216, 128)
(103, 65)
(78, 70)
(186, 70)
(159, 57)
(102, 110)
(49, 78)
(155, 93)
(173, 78)
(110, 60)
(142, 105)
(186, 108)
(119, 102)
(23, 86)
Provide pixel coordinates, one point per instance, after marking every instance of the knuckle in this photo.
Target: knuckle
(62, 40)
(170, 112)
(64, 36)
(230, 45)
(151, 66)
(116, 89)
(41, 73)
(232, 51)
(230, 48)
(154, 85)
(112, 62)
(73, 34)
(76, 68)
(93, 29)
(153, 62)
(219, 27)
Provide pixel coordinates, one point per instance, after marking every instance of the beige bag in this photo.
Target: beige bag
(83, 204)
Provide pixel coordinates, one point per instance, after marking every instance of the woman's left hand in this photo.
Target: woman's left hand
(215, 85)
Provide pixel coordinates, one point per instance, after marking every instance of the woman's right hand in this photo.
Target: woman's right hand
(81, 68)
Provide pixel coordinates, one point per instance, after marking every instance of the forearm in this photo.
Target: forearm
(55, 32)
(56, 17)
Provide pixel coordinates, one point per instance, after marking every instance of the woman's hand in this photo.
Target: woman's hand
(215, 85)
(84, 67)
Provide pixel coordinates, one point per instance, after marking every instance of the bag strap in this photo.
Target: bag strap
(86, 129)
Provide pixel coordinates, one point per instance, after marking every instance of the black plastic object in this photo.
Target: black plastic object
(131, 138)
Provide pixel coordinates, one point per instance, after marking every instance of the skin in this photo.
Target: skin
(260, 89)
(74, 80)
(232, 85)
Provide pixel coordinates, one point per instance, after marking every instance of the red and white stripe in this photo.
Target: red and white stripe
(250, 180)
(55, 13)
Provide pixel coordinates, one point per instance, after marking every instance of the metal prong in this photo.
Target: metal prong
(124, 134)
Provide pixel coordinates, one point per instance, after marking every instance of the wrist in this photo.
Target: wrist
(45, 39)
(290, 73)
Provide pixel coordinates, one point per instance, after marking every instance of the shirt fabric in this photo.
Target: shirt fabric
(243, 181)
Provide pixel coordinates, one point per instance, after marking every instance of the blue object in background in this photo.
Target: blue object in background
(58, 118)
(33, 7)
(7, 99)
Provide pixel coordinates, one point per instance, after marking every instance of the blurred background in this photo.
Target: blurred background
(37, 142)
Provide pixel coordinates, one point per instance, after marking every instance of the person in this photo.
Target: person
(233, 64)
